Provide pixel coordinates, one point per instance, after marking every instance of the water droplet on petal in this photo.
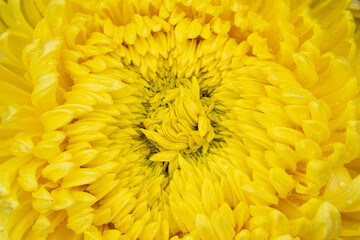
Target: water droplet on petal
(342, 184)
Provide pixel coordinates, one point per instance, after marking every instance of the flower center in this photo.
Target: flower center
(176, 117)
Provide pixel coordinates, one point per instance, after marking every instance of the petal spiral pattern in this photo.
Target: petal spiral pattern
(164, 119)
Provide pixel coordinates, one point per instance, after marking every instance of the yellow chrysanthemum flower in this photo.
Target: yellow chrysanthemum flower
(194, 119)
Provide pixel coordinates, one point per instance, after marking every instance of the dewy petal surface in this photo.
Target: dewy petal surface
(169, 119)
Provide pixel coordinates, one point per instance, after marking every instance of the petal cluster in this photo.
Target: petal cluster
(164, 119)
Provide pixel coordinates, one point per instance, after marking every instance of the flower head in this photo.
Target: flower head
(198, 119)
